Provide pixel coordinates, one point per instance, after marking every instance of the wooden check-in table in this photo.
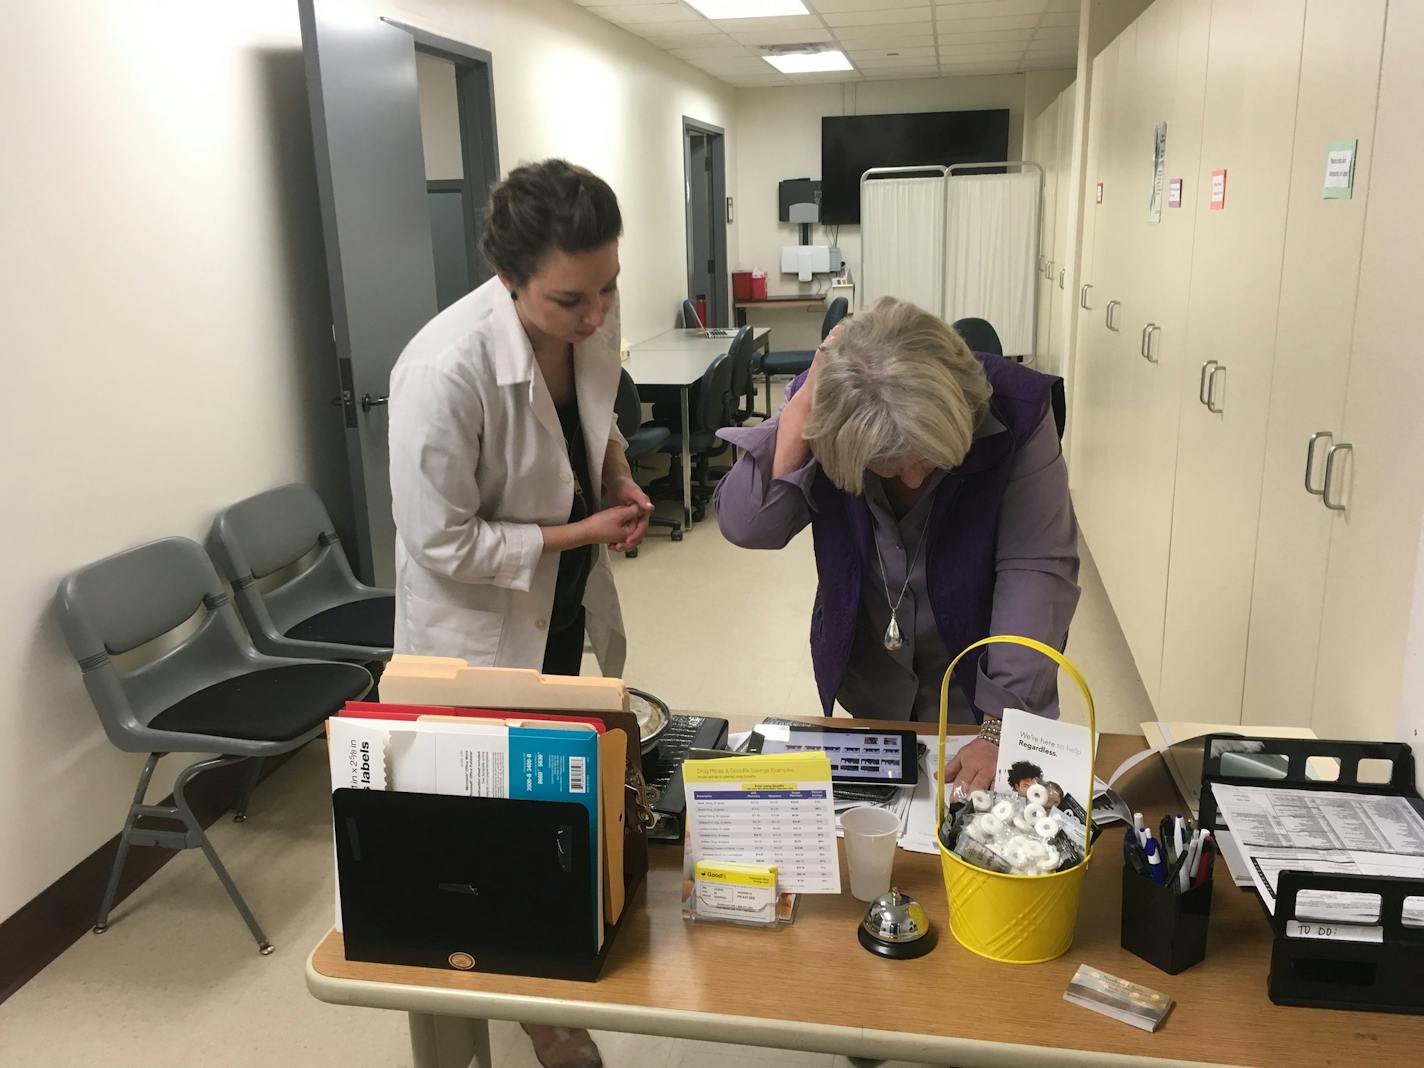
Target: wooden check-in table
(812, 987)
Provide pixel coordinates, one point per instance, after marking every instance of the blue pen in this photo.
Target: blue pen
(1154, 861)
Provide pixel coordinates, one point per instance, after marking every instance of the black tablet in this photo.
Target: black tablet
(857, 754)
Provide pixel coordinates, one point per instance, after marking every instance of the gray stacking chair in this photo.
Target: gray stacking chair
(323, 611)
(211, 692)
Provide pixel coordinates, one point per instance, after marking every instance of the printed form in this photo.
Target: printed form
(775, 809)
(1326, 831)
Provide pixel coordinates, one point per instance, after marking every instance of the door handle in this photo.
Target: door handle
(1108, 320)
(1211, 389)
(1062, 276)
(1083, 295)
(1201, 382)
(1149, 331)
(368, 402)
(1310, 460)
(1330, 454)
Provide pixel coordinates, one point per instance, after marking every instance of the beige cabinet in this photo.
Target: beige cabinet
(1380, 480)
(1320, 274)
(1247, 132)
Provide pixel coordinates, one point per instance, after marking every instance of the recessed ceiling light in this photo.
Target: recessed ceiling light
(809, 62)
(748, 9)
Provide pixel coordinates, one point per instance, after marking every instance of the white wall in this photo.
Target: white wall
(568, 83)
(164, 295)
(1411, 700)
(779, 136)
(439, 117)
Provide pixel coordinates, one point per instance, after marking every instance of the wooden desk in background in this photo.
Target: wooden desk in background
(812, 987)
(786, 300)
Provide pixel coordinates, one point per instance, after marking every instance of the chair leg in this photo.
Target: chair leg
(197, 836)
(111, 889)
(252, 773)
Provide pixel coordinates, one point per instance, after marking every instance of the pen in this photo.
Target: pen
(1186, 872)
(1178, 832)
(1139, 827)
(1132, 854)
(1208, 852)
(1154, 861)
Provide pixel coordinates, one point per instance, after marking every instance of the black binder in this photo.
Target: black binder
(473, 883)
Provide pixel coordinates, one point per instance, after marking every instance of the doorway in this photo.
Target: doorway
(705, 173)
(388, 233)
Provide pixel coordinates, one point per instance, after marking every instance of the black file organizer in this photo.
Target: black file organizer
(1383, 976)
(583, 965)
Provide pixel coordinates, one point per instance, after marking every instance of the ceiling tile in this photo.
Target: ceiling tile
(988, 48)
(669, 41)
(1060, 18)
(877, 18)
(818, 35)
(778, 22)
(701, 28)
(871, 55)
(1010, 22)
(969, 9)
(825, 7)
(727, 51)
(1063, 5)
(982, 36)
(910, 34)
(663, 12)
(885, 74)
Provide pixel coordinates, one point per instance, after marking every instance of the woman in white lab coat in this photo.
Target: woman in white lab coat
(508, 478)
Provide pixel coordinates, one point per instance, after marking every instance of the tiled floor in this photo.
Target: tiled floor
(177, 981)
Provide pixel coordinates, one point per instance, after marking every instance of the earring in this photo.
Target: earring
(513, 295)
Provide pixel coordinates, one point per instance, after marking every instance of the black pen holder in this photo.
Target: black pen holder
(1163, 927)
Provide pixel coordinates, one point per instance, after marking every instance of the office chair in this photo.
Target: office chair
(716, 410)
(794, 361)
(321, 611)
(690, 319)
(979, 335)
(212, 692)
(642, 441)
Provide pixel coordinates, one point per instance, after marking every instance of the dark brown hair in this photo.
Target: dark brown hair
(545, 206)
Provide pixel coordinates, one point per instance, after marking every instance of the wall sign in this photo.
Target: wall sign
(1340, 170)
(1159, 170)
(1174, 193)
(1099, 194)
(1218, 190)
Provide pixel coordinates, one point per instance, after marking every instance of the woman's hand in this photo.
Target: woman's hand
(791, 451)
(625, 491)
(972, 768)
(608, 527)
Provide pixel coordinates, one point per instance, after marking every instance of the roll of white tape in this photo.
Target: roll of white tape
(1004, 810)
(1038, 794)
(1015, 854)
(975, 832)
(1048, 827)
(990, 824)
(981, 800)
(1033, 812)
(1022, 824)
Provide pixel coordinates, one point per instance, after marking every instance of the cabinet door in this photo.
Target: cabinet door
(1047, 136)
(1063, 250)
(1249, 120)
(1339, 82)
(1170, 62)
(1374, 543)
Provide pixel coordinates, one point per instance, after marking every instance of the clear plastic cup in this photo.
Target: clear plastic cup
(870, 837)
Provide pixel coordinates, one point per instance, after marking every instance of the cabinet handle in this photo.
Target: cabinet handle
(1142, 341)
(1149, 331)
(1211, 389)
(1310, 460)
(1083, 295)
(1201, 382)
(1108, 319)
(1330, 454)
(1062, 275)
(1048, 270)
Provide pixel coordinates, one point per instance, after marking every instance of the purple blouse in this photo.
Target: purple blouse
(1035, 591)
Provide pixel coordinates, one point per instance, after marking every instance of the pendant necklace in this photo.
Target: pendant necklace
(893, 639)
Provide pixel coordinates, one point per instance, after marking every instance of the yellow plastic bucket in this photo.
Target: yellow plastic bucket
(1014, 919)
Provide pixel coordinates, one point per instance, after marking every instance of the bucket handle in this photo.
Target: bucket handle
(1073, 673)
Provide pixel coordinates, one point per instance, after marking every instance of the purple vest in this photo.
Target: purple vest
(963, 531)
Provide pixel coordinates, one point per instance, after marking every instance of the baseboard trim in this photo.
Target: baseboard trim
(65, 911)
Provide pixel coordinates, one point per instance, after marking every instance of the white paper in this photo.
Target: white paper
(1324, 831)
(1338, 163)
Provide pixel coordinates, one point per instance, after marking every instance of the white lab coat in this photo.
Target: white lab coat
(478, 465)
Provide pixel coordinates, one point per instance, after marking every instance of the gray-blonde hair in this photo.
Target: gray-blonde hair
(896, 382)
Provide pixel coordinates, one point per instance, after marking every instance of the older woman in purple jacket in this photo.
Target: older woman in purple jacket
(934, 484)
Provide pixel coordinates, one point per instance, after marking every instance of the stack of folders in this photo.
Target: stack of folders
(536, 858)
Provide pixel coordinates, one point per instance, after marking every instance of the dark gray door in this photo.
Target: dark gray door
(705, 169)
(365, 109)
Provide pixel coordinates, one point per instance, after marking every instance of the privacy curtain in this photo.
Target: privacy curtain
(902, 252)
(991, 253)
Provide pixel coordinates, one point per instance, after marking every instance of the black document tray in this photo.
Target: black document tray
(468, 883)
(1379, 976)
